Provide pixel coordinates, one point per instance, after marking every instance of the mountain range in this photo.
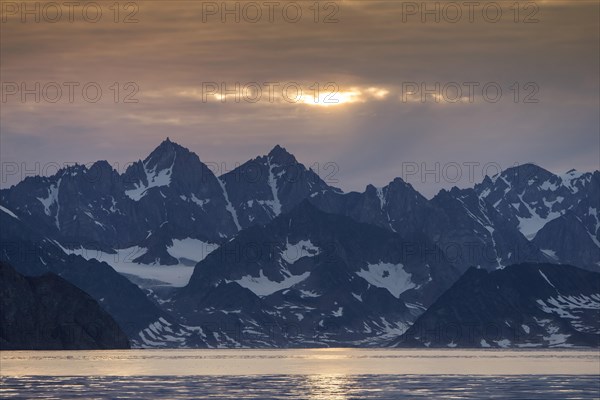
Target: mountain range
(271, 255)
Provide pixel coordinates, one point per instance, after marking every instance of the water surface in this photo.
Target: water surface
(303, 373)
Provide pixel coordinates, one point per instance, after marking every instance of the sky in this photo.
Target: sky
(362, 91)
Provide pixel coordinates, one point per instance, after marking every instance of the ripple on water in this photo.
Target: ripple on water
(330, 387)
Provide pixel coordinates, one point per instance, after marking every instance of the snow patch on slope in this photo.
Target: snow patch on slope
(275, 203)
(530, 226)
(381, 197)
(229, 206)
(391, 277)
(263, 286)
(571, 308)
(190, 249)
(162, 333)
(122, 262)
(6, 210)
(51, 199)
(154, 179)
(294, 252)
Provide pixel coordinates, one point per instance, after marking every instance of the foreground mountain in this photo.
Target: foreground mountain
(309, 278)
(48, 313)
(525, 305)
(32, 254)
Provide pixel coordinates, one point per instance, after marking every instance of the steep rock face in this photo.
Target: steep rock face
(566, 239)
(76, 204)
(170, 195)
(524, 305)
(397, 206)
(532, 199)
(172, 186)
(314, 271)
(468, 230)
(48, 313)
(472, 233)
(527, 196)
(263, 188)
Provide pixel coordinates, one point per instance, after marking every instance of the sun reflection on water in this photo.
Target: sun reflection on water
(330, 386)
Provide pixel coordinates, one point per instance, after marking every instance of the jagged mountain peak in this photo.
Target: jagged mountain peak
(167, 149)
(370, 188)
(400, 182)
(527, 173)
(279, 155)
(101, 164)
(397, 185)
(168, 162)
(454, 192)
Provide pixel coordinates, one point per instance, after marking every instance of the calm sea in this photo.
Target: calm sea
(304, 374)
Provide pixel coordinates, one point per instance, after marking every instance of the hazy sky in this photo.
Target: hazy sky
(374, 52)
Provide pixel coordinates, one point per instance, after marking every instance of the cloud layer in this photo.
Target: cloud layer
(369, 61)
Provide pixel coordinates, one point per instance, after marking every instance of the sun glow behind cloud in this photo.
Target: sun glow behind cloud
(328, 95)
(354, 95)
(369, 129)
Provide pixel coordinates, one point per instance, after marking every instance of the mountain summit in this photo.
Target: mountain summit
(279, 155)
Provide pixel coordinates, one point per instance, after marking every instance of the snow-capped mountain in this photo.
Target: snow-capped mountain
(366, 264)
(466, 228)
(168, 197)
(263, 188)
(473, 233)
(559, 214)
(172, 200)
(330, 278)
(522, 306)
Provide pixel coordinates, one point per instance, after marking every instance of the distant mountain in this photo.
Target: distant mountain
(473, 233)
(525, 305)
(330, 278)
(169, 196)
(559, 214)
(466, 228)
(263, 188)
(48, 313)
(172, 196)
